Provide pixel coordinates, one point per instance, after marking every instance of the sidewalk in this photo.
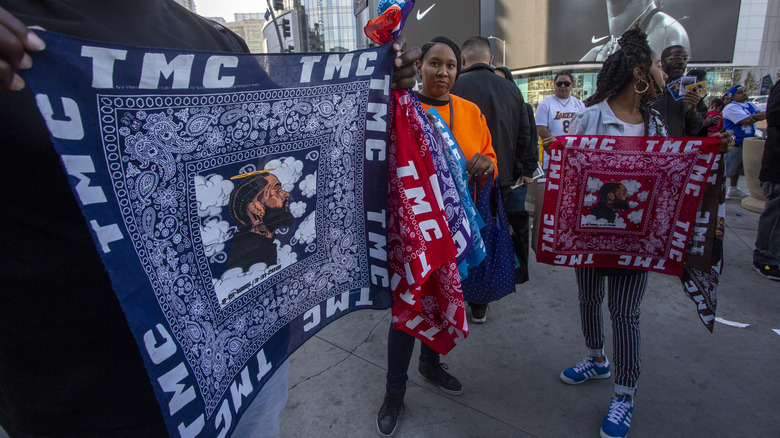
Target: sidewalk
(693, 383)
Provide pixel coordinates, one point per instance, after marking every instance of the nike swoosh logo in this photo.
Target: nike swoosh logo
(423, 14)
(594, 40)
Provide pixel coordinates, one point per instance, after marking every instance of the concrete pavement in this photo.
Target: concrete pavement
(693, 383)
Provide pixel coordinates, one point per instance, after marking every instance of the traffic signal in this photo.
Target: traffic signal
(286, 28)
(279, 5)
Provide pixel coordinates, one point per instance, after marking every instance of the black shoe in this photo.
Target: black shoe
(434, 373)
(771, 272)
(478, 313)
(392, 409)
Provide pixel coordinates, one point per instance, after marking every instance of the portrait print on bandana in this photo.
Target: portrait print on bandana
(616, 201)
(256, 222)
(237, 201)
(623, 202)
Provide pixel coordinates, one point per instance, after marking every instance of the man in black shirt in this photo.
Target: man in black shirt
(681, 116)
(502, 104)
(766, 257)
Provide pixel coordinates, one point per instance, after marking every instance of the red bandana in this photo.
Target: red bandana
(427, 296)
(623, 202)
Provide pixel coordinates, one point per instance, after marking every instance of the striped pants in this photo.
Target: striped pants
(625, 296)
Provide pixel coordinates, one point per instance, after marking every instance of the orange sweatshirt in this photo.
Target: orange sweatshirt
(470, 128)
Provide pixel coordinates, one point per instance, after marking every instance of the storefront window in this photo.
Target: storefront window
(537, 86)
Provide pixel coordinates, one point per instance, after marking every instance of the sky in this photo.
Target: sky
(226, 8)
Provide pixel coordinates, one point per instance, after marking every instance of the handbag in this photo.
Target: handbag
(494, 278)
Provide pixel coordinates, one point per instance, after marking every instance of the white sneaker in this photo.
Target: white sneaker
(735, 193)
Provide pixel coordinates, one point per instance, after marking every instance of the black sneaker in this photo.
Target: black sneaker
(478, 313)
(392, 409)
(771, 272)
(434, 373)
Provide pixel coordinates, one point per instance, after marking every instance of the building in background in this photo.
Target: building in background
(735, 41)
(249, 26)
(331, 25)
(189, 4)
(312, 26)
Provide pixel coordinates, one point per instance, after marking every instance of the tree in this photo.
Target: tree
(751, 84)
(736, 77)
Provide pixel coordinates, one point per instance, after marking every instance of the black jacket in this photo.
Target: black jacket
(678, 122)
(506, 115)
(770, 164)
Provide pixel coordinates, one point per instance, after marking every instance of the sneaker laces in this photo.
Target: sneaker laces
(617, 410)
(391, 403)
(584, 364)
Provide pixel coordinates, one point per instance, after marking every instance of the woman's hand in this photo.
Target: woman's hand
(15, 40)
(479, 165)
(404, 68)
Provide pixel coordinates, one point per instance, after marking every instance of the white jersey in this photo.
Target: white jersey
(556, 114)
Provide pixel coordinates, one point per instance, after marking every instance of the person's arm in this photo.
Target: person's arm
(542, 122)
(523, 138)
(531, 159)
(543, 132)
(773, 108)
(484, 161)
(735, 114)
(15, 40)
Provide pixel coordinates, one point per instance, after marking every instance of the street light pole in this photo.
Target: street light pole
(276, 25)
(503, 49)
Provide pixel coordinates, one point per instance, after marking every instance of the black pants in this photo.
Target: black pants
(400, 346)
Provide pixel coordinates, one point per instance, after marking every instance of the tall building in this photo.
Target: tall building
(249, 26)
(330, 25)
(735, 41)
(189, 4)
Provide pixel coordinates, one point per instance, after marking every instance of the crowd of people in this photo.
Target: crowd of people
(497, 130)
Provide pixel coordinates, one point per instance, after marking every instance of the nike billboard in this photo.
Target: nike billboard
(546, 32)
(709, 28)
(458, 20)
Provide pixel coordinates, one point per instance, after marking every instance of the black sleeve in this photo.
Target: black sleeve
(523, 138)
(531, 157)
(694, 123)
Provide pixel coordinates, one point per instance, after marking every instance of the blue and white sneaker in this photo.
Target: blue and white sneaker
(617, 422)
(587, 369)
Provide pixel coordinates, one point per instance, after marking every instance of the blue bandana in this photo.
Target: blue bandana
(178, 159)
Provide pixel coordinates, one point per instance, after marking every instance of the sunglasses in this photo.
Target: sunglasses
(563, 84)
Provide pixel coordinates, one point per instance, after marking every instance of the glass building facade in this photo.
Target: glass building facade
(537, 86)
(331, 25)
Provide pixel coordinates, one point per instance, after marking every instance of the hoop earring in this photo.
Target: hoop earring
(647, 87)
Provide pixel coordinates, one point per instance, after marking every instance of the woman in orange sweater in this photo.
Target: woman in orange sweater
(438, 66)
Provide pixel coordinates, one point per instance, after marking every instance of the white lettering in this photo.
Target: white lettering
(308, 65)
(211, 78)
(155, 65)
(103, 64)
(78, 165)
(66, 129)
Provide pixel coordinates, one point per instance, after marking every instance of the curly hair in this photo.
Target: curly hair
(618, 72)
